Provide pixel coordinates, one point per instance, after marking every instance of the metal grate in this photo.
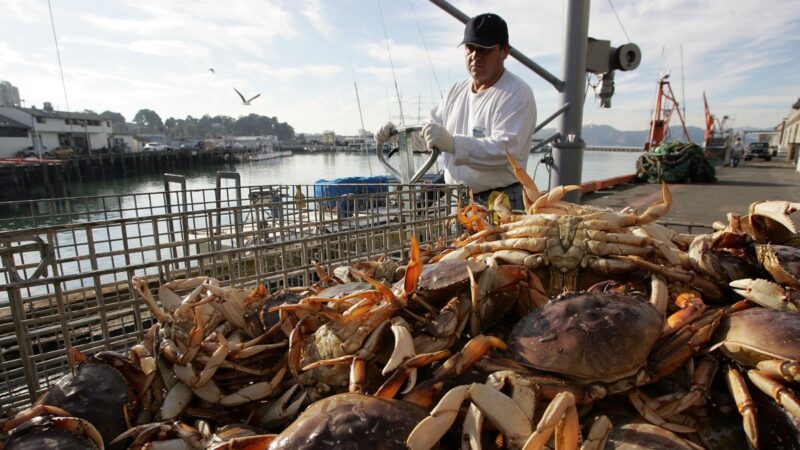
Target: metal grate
(66, 264)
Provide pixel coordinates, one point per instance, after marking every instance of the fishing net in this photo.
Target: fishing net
(675, 162)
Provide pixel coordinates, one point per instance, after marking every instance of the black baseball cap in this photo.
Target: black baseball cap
(486, 30)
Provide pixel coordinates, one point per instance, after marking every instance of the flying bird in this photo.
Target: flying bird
(246, 102)
(211, 69)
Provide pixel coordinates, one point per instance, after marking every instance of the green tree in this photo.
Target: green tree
(149, 121)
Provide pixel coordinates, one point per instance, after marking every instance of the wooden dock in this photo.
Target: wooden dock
(47, 178)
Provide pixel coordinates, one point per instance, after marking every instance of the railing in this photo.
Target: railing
(66, 264)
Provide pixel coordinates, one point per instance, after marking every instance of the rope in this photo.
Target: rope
(391, 63)
(60, 68)
(427, 53)
(361, 115)
(620, 21)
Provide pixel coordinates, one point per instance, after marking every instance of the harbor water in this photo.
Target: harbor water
(307, 168)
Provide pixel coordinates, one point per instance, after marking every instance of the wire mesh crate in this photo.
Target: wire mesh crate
(66, 264)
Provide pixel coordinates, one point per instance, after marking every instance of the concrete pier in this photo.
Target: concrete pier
(735, 189)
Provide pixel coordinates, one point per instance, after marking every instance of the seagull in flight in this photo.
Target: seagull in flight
(211, 69)
(246, 102)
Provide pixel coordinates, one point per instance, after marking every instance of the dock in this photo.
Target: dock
(48, 178)
(703, 203)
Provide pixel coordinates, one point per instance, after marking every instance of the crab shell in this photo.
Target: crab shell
(757, 334)
(638, 435)
(601, 336)
(442, 280)
(93, 384)
(56, 433)
(352, 421)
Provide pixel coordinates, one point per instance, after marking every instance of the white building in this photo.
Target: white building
(50, 129)
(787, 136)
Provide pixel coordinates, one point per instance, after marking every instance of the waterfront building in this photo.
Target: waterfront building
(51, 129)
(14, 136)
(328, 137)
(9, 94)
(787, 136)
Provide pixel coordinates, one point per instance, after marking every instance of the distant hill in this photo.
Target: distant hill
(608, 135)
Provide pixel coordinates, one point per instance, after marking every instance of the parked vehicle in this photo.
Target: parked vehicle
(61, 152)
(27, 153)
(758, 150)
(154, 147)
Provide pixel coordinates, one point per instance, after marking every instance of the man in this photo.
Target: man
(736, 152)
(482, 116)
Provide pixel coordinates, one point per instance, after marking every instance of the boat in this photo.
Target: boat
(264, 152)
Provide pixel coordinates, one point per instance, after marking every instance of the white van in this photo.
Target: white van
(154, 147)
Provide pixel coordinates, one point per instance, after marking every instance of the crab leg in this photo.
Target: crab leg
(701, 381)
(213, 363)
(598, 434)
(692, 308)
(141, 288)
(744, 403)
(404, 372)
(475, 349)
(686, 343)
(640, 401)
(782, 395)
(428, 432)
(560, 417)
(780, 369)
(501, 410)
(530, 190)
(552, 197)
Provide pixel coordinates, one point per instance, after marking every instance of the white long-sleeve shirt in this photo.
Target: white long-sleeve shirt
(483, 124)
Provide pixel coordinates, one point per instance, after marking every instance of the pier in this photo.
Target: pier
(703, 203)
(45, 178)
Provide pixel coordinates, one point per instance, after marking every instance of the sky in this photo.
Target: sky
(306, 57)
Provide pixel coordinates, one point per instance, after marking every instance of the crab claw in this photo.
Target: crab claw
(778, 211)
(283, 408)
(767, 294)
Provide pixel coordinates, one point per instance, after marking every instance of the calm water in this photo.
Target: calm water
(310, 167)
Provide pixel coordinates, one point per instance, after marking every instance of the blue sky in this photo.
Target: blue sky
(302, 57)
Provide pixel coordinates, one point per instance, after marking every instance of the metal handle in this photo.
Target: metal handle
(419, 172)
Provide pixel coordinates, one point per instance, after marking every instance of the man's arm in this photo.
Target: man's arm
(512, 123)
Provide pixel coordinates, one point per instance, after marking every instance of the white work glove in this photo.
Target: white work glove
(436, 136)
(384, 133)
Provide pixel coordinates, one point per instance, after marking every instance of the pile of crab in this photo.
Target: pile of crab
(565, 326)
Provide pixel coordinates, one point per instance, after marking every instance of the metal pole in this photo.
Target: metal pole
(568, 153)
(527, 62)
